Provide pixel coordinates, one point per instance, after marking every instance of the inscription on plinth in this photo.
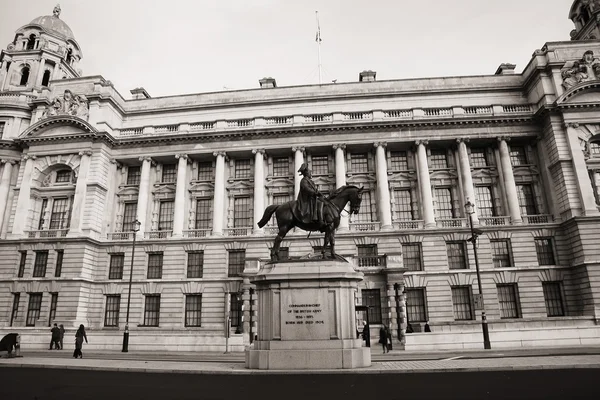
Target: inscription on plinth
(304, 315)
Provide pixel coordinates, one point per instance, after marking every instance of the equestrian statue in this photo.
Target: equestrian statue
(312, 211)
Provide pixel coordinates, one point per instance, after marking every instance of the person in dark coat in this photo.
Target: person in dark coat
(427, 328)
(383, 339)
(308, 206)
(79, 337)
(55, 339)
(409, 328)
(61, 327)
(9, 342)
(367, 335)
(389, 338)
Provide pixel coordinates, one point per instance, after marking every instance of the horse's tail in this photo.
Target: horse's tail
(267, 215)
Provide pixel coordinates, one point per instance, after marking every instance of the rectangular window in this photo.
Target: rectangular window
(115, 270)
(518, 156)
(320, 165)
(2, 125)
(445, 202)
(59, 218)
(478, 158)
(59, 262)
(281, 166)
(526, 199)
(509, 301)
(359, 163)
(371, 298)
(398, 161)
(367, 256)
(53, 305)
(43, 214)
(284, 253)
(205, 171)
(235, 309)
(129, 216)
(152, 310)
(403, 203)
(22, 262)
(169, 173)
(462, 303)
(415, 305)
(63, 176)
(40, 264)
(15, 308)
(243, 169)
(134, 175)
(113, 306)
(485, 201)
(501, 254)
(595, 148)
(203, 214)
(365, 213)
(155, 264)
(411, 256)
(33, 310)
(195, 264)
(545, 251)
(236, 262)
(438, 159)
(193, 310)
(165, 215)
(457, 258)
(553, 299)
(242, 212)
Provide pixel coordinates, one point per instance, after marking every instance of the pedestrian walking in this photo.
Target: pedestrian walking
(61, 327)
(389, 338)
(55, 339)
(79, 336)
(367, 335)
(383, 339)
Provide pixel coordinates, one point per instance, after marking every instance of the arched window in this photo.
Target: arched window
(69, 56)
(46, 78)
(31, 42)
(585, 16)
(595, 148)
(24, 76)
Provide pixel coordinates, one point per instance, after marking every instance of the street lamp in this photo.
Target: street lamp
(470, 209)
(398, 317)
(136, 225)
(240, 327)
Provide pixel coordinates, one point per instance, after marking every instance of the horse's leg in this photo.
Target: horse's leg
(283, 230)
(324, 248)
(332, 241)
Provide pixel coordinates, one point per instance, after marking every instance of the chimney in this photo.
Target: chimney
(505, 69)
(139, 93)
(266, 83)
(367, 76)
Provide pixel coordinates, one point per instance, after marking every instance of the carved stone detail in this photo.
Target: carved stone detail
(584, 70)
(68, 104)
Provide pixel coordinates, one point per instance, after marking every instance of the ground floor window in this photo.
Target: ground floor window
(15, 308)
(33, 310)
(235, 309)
(152, 310)
(53, 305)
(111, 314)
(462, 303)
(553, 299)
(508, 297)
(193, 309)
(415, 305)
(372, 299)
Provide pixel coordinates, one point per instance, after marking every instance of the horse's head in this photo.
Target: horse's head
(355, 200)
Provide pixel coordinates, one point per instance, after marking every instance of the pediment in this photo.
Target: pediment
(201, 187)
(128, 190)
(444, 174)
(58, 127)
(582, 94)
(280, 182)
(164, 189)
(360, 179)
(321, 180)
(483, 173)
(402, 176)
(240, 185)
(524, 171)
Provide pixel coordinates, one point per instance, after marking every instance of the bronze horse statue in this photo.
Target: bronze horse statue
(333, 206)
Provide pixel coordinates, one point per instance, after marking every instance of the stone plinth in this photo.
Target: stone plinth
(306, 317)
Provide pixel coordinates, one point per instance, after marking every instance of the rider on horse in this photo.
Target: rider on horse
(309, 208)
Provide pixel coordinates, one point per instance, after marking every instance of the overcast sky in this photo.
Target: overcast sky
(190, 46)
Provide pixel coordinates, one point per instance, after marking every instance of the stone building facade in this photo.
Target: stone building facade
(80, 164)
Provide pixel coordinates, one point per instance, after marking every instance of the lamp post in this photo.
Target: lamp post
(136, 225)
(470, 209)
(240, 328)
(250, 325)
(398, 318)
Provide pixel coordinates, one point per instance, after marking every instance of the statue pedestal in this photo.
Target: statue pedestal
(306, 317)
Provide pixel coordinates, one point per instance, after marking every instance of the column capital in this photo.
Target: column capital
(339, 146)
(259, 151)
(182, 155)
(503, 138)
(9, 161)
(463, 140)
(147, 158)
(423, 142)
(574, 125)
(85, 153)
(114, 161)
(26, 157)
(220, 153)
(301, 149)
(380, 144)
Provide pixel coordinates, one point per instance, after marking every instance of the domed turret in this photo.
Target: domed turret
(584, 14)
(53, 24)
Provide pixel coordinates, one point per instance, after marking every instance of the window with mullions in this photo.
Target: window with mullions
(33, 310)
(444, 200)
(403, 204)
(169, 173)
(165, 215)
(485, 201)
(59, 218)
(526, 198)
(462, 304)
(438, 159)
(43, 214)
(359, 163)
(203, 213)
(398, 161)
(193, 310)
(411, 256)
(372, 299)
(152, 310)
(553, 299)
(365, 213)
(59, 262)
(243, 169)
(478, 158)
(236, 262)
(22, 262)
(115, 270)
(457, 258)
(40, 264)
(129, 216)
(53, 305)
(242, 212)
(320, 165)
(134, 175)
(205, 171)
(544, 249)
(2, 125)
(415, 305)
(15, 308)
(508, 298)
(281, 166)
(195, 266)
(235, 309)
(63, 176)
(518, 156)
(367, 255)
(501, 255)
(595, 148)
(155, 264)
(111, 313)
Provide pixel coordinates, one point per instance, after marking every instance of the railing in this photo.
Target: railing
(132, 131)
(318, 118)
(119, 236)
(413, 224)
(158, 234)
(246, 231)
(516, 108)
(202, 126)
(452, 223)
(47, 233)
(240, 123)
(372, 261)
(354, 116)
(478, 110)
(364, 226)
(196, 233)
(166, 129)
(279, 120)
(494, 221)
(398, 114)
(537, 219)
(271, 230)
(12, 96)
(437, 112)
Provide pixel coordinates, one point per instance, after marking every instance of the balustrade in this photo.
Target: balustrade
(47, 233)
(245, 231)
(364, 226)
(158, 234)
(537, 219)
(406, 225)
(452, 222)
(119, 236)
(372, 261)
(494, 221)
(196, 233)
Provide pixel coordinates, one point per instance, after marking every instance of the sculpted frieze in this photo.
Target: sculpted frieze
(68, 104)
(584, 70)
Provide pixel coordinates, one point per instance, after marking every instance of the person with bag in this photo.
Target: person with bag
(79, 336)
(383, 339)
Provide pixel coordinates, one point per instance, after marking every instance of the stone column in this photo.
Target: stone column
(425, 184)
(383, 188)
(22, 215)
(179, 210)
(584, 183)
(144, 189)
(80, 192)
(219, 195)
(467, 178)
(509, 183)
(340, 180)
(5, 187)
(259, 188)
(40, 74)
(298, 160)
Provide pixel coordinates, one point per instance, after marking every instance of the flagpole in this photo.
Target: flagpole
(318, 39)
